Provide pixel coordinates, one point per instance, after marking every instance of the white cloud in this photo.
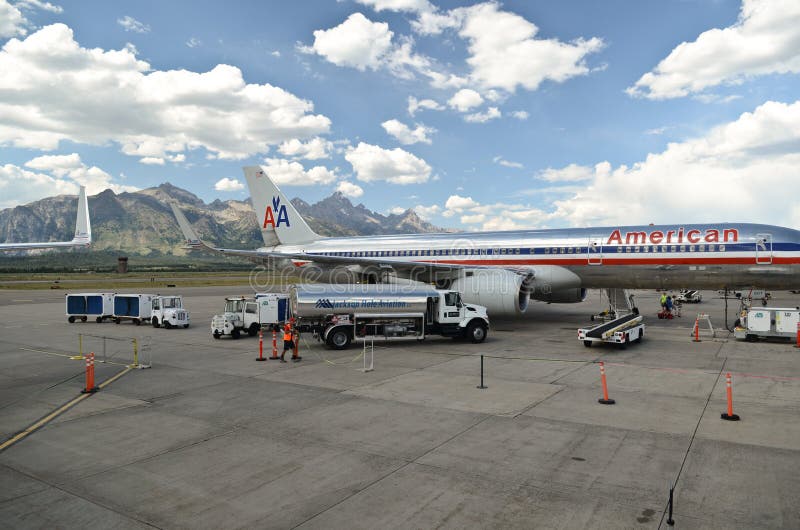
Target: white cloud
(473, 219)
(520, 114)
(414, 105)
(131, 24)
(38, 4)
(396, 210)
(20, 186)
(356, 42)
(65, 92)
(458, 203)
(228, 184)
(290, 173)
(314, 149)
(465, 99)
(498, 216)
(426, 212)
(397, 5)
(492, 113)
(372, 163)
(764, 40)
(12, 21)
(405, 135)
(504, 52)
(506, 163)
(275, 53)
(362, 44)
(194, 42)
(69, 169)
(59, 165)
(574, 172)
(348, 189)
(739, 171)
(152, 161)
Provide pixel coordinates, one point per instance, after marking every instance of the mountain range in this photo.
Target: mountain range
(141, 223)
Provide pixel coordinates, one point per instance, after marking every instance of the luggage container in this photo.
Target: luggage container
(768, 322)
(81, 306)
(273, 308)
(134, 307)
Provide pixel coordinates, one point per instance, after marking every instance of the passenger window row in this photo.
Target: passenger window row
(582, 250)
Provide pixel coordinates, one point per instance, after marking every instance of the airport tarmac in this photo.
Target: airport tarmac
(210, 438)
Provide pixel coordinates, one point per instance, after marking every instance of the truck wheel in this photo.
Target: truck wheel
(83, 318)
(476, 332)
(253, 329)
(185, 326)
(167, 324)
(99, 320)
(71, 320)
(137, 321)
(155, 322)
(339, 339)
(587, 343)
(216, 335)
(235, 333)
(117, 320)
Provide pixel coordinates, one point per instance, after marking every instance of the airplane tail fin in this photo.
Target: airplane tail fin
(192, 241)
(83, 227)
(279, 221)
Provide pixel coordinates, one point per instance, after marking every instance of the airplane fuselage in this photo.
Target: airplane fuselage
(701, 256)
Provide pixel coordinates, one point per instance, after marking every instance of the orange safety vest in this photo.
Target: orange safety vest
(287, 332)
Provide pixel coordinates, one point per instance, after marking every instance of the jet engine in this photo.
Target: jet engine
(562, 296)
(502, 292)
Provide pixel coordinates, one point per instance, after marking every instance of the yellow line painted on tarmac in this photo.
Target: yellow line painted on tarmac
(73, 357)
(50, 417)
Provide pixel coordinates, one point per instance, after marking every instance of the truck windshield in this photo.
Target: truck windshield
(234, 306)
(171, 303)
(452, 299)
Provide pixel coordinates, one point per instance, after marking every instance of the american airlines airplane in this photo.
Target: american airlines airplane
(503, 271)
(83, 231)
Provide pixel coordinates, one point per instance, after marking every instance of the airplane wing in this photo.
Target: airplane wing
(83, 231)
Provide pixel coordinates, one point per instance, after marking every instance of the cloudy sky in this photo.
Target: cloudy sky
(479, 115)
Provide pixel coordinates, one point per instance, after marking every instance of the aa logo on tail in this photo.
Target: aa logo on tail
(276, 214)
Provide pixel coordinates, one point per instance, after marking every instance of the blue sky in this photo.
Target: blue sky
(480, 115)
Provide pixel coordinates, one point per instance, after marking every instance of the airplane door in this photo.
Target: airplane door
(763, 249)
(594, 251)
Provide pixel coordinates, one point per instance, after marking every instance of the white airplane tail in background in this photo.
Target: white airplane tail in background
(83, 227)
(280, 222)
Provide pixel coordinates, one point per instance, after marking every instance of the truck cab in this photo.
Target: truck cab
(168, 311)
(249, 314)
(240, 314)
(452, 317)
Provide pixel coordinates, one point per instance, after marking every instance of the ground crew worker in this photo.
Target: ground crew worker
(289, 341)
(663, 300)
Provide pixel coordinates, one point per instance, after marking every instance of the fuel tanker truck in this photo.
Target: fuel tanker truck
(341, 314)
